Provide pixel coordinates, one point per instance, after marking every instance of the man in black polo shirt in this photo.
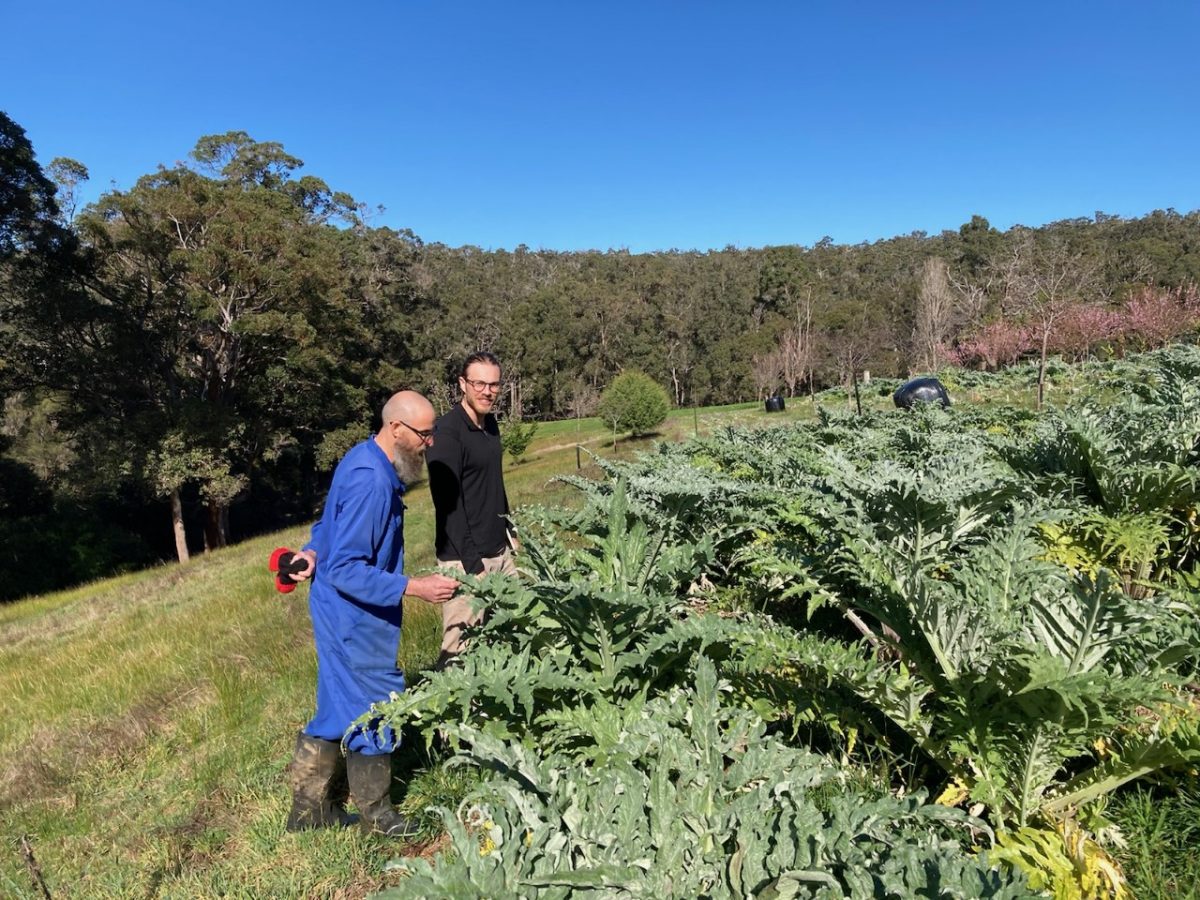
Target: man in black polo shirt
(467, 483)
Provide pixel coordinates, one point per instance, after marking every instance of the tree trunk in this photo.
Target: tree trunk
(1042, 368)
(515, 403)
(181, 549)
(215, 535)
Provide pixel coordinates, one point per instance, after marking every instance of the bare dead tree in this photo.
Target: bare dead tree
(796, 347)
(765, 370)
(972, 297)
(584, 398)
(936, 308)
(855, 340)
(1039, 282)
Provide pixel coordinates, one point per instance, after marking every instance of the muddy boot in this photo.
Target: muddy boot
(370, 786)
(317, 774)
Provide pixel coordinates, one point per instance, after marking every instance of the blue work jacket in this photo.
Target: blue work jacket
(356, 596)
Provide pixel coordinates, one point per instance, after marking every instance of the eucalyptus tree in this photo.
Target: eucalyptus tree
(218, 324)
(785, 277)
(38, 256)
(538, 345)
(27, 205)
(686, 320)
(978, 243)
(35, 250)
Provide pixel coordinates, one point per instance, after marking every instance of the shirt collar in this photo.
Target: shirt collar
(397, 484)
(462, 411)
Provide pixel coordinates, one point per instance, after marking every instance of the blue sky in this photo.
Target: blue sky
(651, 125)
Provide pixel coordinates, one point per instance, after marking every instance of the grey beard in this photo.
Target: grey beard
(409, 465)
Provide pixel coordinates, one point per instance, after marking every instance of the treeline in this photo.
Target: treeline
(186, 358)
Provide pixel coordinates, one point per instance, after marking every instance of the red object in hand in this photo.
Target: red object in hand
(285, 563)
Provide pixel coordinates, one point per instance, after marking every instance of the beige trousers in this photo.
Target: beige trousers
(456, 612)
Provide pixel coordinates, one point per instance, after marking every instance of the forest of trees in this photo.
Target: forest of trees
(185, 359)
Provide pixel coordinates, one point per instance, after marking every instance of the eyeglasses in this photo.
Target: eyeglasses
(480, 385)
(425, 436)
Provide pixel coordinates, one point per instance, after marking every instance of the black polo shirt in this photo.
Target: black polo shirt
(466, 479)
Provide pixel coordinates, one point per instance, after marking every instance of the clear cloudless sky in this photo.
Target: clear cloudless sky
(645, 125)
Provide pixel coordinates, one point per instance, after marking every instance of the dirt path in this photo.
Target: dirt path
(571, 444)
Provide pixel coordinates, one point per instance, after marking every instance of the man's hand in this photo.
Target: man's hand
(433, 588)
(306, 574)
(290, 568)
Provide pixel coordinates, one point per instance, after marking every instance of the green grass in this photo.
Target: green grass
(1161, 827)
(147, 718)
(147, 723)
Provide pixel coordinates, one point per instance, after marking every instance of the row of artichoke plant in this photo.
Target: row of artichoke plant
(746, 666)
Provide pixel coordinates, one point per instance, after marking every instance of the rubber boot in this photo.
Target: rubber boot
(317, 774)
(370, 789)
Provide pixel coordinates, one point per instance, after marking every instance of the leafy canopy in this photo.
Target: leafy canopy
(634, 402)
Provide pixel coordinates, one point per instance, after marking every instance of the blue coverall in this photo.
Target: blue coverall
(355, 600)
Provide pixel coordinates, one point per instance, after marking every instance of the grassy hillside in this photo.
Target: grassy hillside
(148, 718)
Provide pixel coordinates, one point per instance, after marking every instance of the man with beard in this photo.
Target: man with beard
(467, 483)
(356, 560)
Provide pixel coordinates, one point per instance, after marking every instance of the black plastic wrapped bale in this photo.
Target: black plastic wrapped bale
(774, 404)
(921, 390)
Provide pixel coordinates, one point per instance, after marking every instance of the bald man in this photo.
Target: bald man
(356, 560)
